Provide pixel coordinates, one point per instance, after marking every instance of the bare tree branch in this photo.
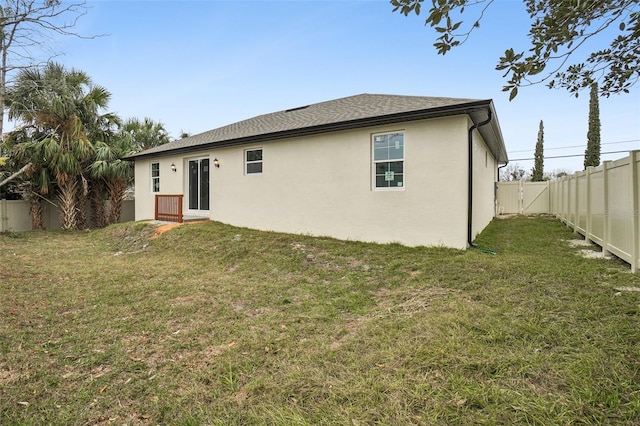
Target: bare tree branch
(15, 175)
(26, 29)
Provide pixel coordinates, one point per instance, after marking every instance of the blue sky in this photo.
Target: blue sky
(198, 65)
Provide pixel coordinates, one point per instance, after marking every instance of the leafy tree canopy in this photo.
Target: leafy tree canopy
(559, 29)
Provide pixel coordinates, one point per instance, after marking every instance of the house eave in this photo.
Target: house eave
(469, 108)
(491, 133)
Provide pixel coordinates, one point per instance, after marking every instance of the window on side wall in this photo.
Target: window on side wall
(253, 161)
(388, 160)
(155, 177)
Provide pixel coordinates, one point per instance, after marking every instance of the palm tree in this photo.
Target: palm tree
(109, 173)
(60, 105)
(146, 134)
(115, 173)
(103, 130)
(37, 184)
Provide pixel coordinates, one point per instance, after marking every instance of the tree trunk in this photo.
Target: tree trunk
(35, 209)
(67, 198)
(116, 197)
(3, 83)
(81, 208)
(98, 215)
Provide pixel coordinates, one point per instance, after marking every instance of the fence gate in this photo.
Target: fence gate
(523, 197)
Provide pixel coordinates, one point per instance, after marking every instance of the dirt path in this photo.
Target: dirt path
(164, 227)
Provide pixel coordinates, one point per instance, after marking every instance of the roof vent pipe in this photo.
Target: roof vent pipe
(470, 179)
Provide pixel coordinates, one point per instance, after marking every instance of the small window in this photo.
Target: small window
(155, 177)
(253, 161)
(388, 161)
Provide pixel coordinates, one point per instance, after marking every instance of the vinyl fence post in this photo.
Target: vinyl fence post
(560, 199)
(605, 202)
(575, 205)
(549, 197)
(565, 199)
(587, 226)
(3, 215)
(568, 202)
(635, 188)
(520, 197)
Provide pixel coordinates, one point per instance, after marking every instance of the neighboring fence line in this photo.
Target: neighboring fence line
(601, 203)
(15, 216)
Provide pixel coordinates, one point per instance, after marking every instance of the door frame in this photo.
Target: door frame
(187, 198)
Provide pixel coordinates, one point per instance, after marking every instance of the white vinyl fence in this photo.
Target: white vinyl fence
(15, 216)
(601, 203)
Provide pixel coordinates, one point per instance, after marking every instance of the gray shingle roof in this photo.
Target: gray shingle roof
(350, 112)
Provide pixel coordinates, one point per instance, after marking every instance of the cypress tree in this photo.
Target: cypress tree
(538, 165)
(592, 153)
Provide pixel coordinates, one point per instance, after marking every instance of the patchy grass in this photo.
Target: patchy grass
(211, 324)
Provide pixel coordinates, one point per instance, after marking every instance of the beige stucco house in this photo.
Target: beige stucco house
(379, 168)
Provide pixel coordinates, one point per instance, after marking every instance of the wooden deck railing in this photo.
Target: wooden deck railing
(169, 208)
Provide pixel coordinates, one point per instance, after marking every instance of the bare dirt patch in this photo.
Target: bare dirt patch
(8, 376)
(162, 227)
(591, 251)
(580, 243)
(506, 215)
(593, 254)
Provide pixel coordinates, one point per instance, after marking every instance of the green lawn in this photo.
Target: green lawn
(211, 324)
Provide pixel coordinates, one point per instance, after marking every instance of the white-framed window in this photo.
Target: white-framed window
(253, 161)
(155, 177)
(388, 160)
